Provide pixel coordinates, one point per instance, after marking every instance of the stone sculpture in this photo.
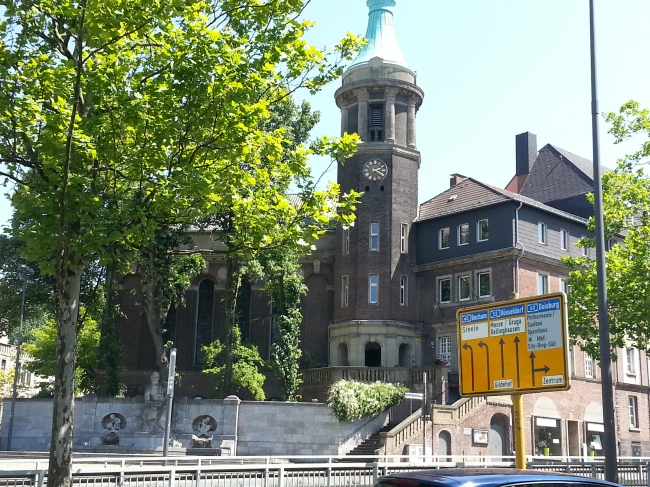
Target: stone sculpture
(154, 408)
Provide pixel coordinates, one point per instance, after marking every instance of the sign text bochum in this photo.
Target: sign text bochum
(514, 346)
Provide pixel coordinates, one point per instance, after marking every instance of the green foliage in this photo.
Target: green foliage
(351, 400)
(626, 205)
(42, 349)
(245, 366)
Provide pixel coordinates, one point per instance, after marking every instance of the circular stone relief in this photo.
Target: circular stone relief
(222, 274)
(204, 424)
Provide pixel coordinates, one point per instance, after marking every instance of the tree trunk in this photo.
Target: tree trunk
(154, 318)
(60, 468)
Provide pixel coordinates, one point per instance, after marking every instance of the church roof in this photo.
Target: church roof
(470, 194)
(380, 36)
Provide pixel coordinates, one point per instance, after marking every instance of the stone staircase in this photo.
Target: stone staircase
(371, 444)
(391, 441)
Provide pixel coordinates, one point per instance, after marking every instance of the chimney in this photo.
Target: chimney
(526, 152)
(456, 179)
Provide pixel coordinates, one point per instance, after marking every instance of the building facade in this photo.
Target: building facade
(383, 294)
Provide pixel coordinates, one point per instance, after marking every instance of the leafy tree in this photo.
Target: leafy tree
(120, 118)
(43, 348)
(350, 399)
(165, 278)
(246, 362)
(626, 206)
(7, 385)
(286, 286)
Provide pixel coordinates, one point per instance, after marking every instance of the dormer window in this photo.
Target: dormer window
(376, 123)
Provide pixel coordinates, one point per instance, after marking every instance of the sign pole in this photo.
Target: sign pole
(424, 419)
(520, 438)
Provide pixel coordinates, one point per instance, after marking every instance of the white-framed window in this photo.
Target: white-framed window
(463, 234)
(346, 241)
(444, 290)
(444, 348)
(541, 232)
(403, 238)
(464, 288)
(373, 288)
(630, 361)
(564, 286)
(403, 290)
(585, 250)
(482, 233)
(564, 239)
(484, 284)
(542, 283)
(374, 236)
(589, 366)
(633, 406)
(345, 290)
(443, 238)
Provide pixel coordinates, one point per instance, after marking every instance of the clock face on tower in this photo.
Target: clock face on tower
(375, 170)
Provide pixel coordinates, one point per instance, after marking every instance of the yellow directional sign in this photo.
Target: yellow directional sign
(514, 347)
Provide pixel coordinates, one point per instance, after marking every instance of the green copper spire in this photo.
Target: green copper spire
(380, 35)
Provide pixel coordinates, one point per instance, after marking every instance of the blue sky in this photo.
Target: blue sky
(491, 69)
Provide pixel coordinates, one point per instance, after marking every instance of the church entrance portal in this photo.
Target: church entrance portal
(373, 354)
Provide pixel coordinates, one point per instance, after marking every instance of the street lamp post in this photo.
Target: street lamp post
(24, 273)
(170, 400)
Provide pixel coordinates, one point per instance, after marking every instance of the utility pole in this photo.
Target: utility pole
(609, 443)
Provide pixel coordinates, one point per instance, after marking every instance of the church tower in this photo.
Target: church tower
(375, 311)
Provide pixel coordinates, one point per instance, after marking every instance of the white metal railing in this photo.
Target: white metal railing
(278, 472)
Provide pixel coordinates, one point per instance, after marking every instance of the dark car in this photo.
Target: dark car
(484, 477)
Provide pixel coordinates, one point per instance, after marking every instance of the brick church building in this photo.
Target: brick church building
(383, 294)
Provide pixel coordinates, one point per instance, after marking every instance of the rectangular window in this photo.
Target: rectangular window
(482, 230)
(444, 348)
(564, 286)
(403, 290)
(345, 290)
(374, 236)
(4, 364)
(541, 232)
(444, 290)
(542, 284)
(463, 234)
(484, 289)
(373, 289)
(630, 359)
(403, 238)
(443, 238)
(346, 241)
(585, 250)
(589, 366)
(564, 239)
(376, 123)
(634, 411)
(463, 288)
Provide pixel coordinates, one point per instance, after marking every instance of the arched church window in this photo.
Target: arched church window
(204, 317)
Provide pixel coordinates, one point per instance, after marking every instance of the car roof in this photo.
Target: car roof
(488, 477)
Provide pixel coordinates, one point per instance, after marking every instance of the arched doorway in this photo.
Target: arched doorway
(373, 354)
(444, 445)
(404, 355)
(498, 435)
(342, 355)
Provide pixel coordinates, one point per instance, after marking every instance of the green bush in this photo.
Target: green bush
(351, 399)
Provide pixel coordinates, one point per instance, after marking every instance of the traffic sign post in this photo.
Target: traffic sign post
(514, 347)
